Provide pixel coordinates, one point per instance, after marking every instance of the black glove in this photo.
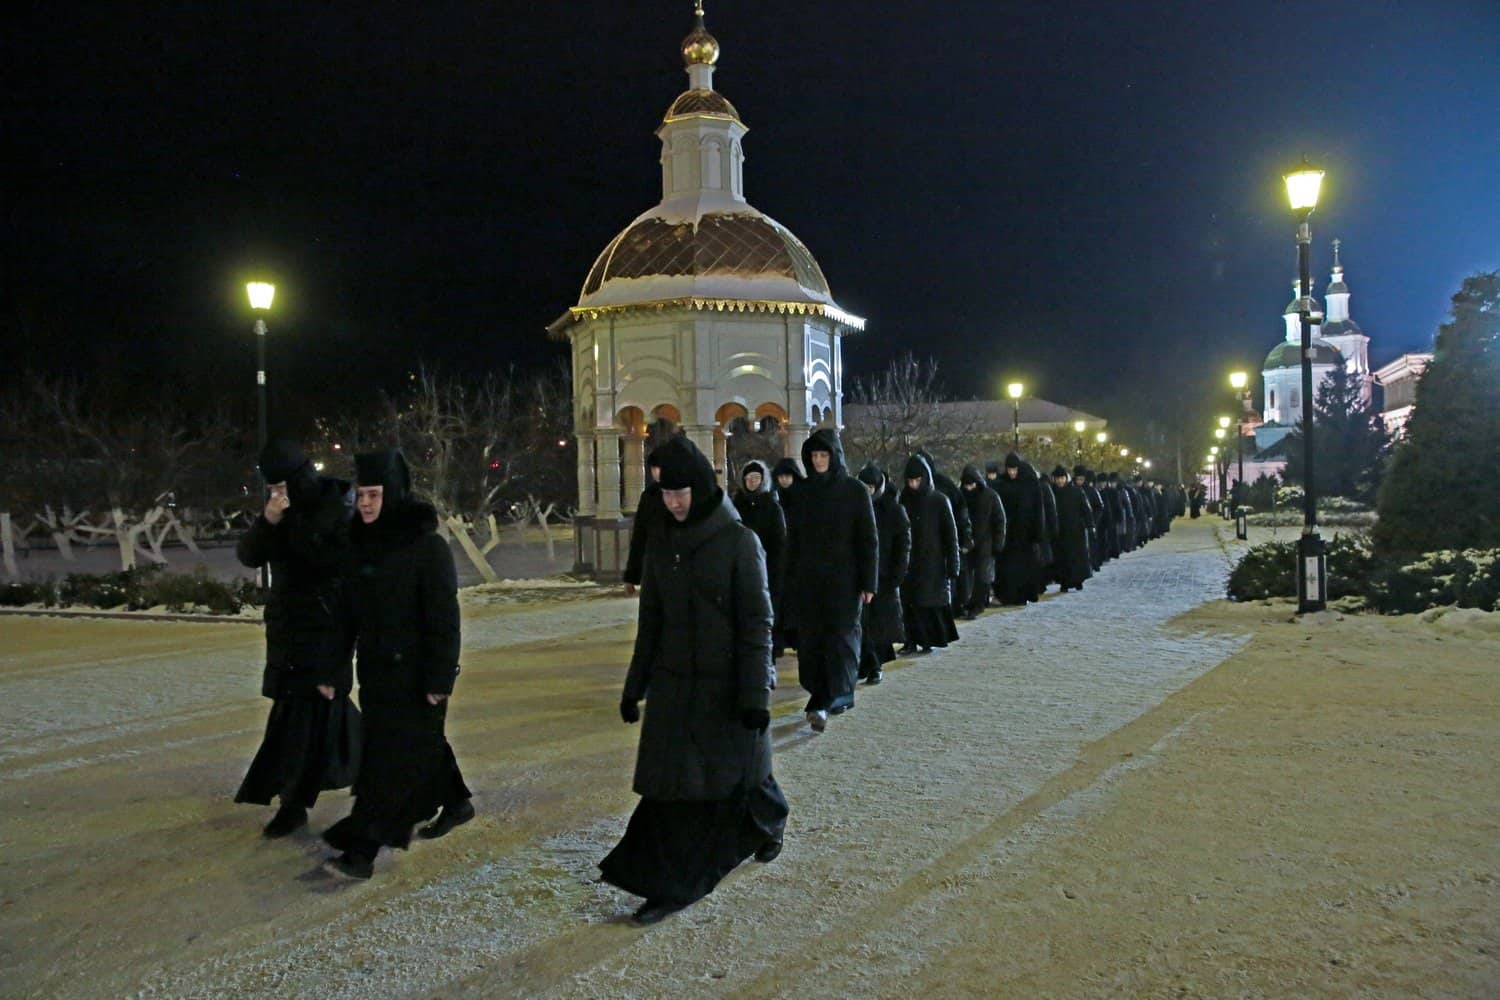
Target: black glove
(755, 718)
(630, 712)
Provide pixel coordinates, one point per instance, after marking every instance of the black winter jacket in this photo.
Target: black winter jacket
(934, 541)
(702, 656)
(308, 641)
(404, 605)
(832, 549)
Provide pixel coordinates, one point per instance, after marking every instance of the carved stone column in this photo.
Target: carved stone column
(608, 463)
(634, 469)
(587, 493)
(796, 435)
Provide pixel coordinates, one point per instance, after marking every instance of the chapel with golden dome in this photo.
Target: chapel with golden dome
(701, 311)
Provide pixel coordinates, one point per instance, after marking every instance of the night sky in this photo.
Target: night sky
(1086, 196)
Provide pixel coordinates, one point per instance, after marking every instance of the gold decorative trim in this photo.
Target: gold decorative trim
(577, 314)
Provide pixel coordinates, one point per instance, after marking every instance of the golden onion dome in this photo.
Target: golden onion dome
(699, 47)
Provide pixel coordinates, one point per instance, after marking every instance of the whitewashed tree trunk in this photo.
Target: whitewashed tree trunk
(494, 539)
(541, 519)
(122, 536)
(56, 528)
(466, 542)
(183, 535)
(8, 544)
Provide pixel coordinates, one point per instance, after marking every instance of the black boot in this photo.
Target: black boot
(769, 851)
(654, 911)
(350, 865)
(451, 816)
(286, 820)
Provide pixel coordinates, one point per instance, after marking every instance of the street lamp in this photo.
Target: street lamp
(1220, 433)
(261, 294)
(1078, 426)
(1240, 381)
(1302, 187)
(1016, 390)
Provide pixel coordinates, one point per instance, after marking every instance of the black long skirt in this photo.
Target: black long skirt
(1016, 575)
(409, 772)
(311, 745)
(932, 627)
(676, 852)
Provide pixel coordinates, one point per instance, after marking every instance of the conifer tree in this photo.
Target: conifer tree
(1440, 491)
(1349, 441)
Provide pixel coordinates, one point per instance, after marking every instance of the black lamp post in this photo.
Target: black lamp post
(1016, 391)
(261, 295)
(1241, 382)
(1302, 187)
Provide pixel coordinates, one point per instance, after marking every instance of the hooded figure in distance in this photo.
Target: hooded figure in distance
(926, 593)
(1016, 574)
(1071, 564)
(987, 515)
(882, 625)
(702, 663)
(761, 512)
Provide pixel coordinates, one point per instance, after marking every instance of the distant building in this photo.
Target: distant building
(1398, 384)
(1336, 340)
(994, 418)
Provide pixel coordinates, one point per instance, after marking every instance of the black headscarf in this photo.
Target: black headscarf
(387, 469)
(683, 467)
(283, 461)
(871, 475)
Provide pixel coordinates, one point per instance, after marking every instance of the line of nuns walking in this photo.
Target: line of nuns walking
(841, 568)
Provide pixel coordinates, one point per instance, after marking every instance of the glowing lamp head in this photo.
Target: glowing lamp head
(1302, 187)
(1101, 437)
(1224, 421)
(1124, 452)
(1239, 380)
(1219, 433)
(1214, 450)
(1147, 463)
(1078, 426)
(261, 294)
(1015, 390)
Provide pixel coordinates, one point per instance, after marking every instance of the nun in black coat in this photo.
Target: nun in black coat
(311, 742)
(650, 516)
(1071, 564)
(962, 581)
(926, 593)
(1016, 575)
(987, 515)
(1047, 555)
(883, 625)
(760, 511)
(1083, 478)
(403, 605)
(786, 481)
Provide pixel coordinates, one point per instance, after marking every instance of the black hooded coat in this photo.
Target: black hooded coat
(934, 541)
(882, 618)
(404, 607)
(1016, 571)
(307, 642)
(987, 515)
(1071, 563)
(761, 512)
(832, 547)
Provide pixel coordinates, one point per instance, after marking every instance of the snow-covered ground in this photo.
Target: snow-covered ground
(120, 744)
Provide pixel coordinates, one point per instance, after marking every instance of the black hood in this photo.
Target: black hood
(823, 439)
(755, 465)
(973, 475)
(387, 469)
(788, 467)
(917, 466)
(871, 475)
(992, 467)
(1059, 471)
(683, 466)
(1013, 461)
(926, 456)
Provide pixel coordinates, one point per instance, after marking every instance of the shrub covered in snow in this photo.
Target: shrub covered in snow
(1357, 575)
(136, 590)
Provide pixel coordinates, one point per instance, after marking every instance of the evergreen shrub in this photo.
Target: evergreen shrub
(1468, 578)
(1270, 569)
(137, 590)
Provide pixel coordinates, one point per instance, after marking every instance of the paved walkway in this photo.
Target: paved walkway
(953, 765)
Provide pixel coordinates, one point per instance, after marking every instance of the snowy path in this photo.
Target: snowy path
(939, 778)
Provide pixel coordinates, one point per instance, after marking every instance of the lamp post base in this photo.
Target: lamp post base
(1312, 574)
(1242, 523)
